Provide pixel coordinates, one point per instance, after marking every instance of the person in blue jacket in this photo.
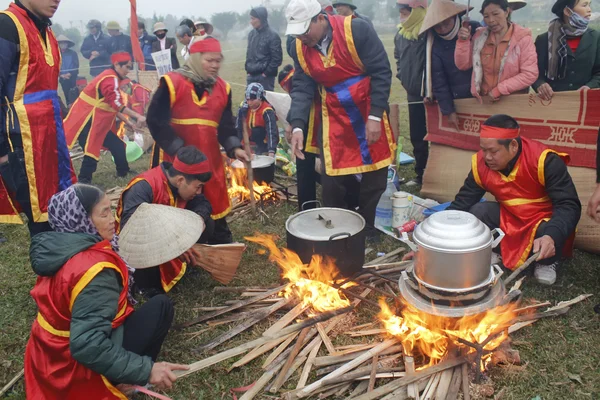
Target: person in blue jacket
(69, 68)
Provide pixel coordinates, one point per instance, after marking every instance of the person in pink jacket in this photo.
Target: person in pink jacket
(502, 54)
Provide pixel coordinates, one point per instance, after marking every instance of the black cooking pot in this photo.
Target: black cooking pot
(330, 232)
(263, 168)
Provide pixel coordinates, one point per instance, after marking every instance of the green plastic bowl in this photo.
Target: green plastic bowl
(133, 152)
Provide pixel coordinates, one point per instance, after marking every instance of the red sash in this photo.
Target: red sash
(90, 105)
(196, 121)
(37, 112)
(51, 373)
(345, 95)
(524, 203)
(172, 271)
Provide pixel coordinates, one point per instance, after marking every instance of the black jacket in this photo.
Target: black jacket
(448, 82)
(120, 43)
(169, 43)
(410, 63)
(370, 50)
(102, 46)
(566, 207)
(264, 54)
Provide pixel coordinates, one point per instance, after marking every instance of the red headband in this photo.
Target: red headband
(208, 45)
(493, 132)
(194, 169)
(121, 57)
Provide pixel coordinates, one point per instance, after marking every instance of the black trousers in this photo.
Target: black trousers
(67, 87)
(336, 191)
(147, 328)
(268, 82)
(307, 179)
(488, 212)
(418, 131)
(116, 148)
(14, 177)
(216, 232)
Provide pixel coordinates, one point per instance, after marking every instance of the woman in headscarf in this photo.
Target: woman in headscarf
(260, 119)
(81, 347)
(192, 107)
(502, 54)
(569, 53)
(409, 52)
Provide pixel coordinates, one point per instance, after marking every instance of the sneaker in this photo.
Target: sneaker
(545, 274)
(496, 259)
(414, 182)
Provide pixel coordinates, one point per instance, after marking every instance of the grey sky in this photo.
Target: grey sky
(105, 10)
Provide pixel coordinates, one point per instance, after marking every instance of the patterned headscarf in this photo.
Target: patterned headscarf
(66, 214)
(253, 91)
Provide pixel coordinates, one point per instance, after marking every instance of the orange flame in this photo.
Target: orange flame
(433, 335)
(238, 186)
(310, 283)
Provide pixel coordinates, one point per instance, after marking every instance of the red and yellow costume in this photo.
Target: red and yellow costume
(172, 271)
(195, 121)
(37, 113)
(524, 203)
(51, 373)
(99, 102)
(345, 97)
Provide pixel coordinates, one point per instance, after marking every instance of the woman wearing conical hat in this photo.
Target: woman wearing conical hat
(69, 69)
(444, 81)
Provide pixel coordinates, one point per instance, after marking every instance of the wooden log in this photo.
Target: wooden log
(343, 389)
(12, 382)
(373, 373)
(279, 350)
(455, 384)
(325, 339)
(330, 360)
(244, 326)
(465, 382)
(308, 366)
(417, 376)
(233, 307)
(409, 366)
(566, 304)
(307, 342)
(532, 307)
(444, 384)
(261, 383)
(298, 362)
(347, 367)
(430, 390)
(279, 381)
(356, 349)
(387, 256)
(516, 272)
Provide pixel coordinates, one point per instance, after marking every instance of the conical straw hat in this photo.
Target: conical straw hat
(516, 4)
(156, 234)
(440, 10)
(63, 38)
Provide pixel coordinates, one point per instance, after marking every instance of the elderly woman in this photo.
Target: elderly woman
(502, 54)
(569, 53)
(80, 347)
(442, 22)
(409, 53)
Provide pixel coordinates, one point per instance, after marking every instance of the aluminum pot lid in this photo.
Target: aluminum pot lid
(257, 162)
(320, 224)
(453, 231)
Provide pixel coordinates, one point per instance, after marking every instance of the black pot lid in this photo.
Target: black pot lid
(320, 224)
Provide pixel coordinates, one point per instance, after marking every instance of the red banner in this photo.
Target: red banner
(567, 123)
(138, 55)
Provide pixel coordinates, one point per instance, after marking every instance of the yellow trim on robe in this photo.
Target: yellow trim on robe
(199, 102)
(87, 278)
(194, 121)
(513, 174)
(113, 389)
(542, 164)
(301, 59)
(475, 170)
(228, 88)
(350, 42)
(521, 201)
(171, 88)
(311, 131)
(50, 329)
(19, 105)
(97, 103)
(167, 288)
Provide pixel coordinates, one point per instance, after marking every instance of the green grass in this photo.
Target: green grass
(552, 349)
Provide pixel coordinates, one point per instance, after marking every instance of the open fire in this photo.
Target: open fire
(238, 187)
(432, 336)
(310, 283)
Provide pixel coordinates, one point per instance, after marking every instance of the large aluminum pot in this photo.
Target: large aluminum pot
(454, 251)
(331, 232)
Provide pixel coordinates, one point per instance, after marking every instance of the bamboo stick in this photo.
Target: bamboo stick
(233, 307)
(370, 332)
(516, 272)
(429, 393)
(261, 383)
(279, 381)
(402, 394)
(325, 339)
(444, 384)
(244, 326)
(387, 266)
(296, 364)
(359, 327)
(409, 366)
(344, 389)
(360, 389)
(373, 373)
(279, 350)
(417, 376)
(259, 351)
(330, 360)
(455, 384)
(465, 382)
(347, 367)
(387, 256)
(249, 171)
(566, 304)
(356, 349)
(308, 366)
(12, 382)
(286, 319)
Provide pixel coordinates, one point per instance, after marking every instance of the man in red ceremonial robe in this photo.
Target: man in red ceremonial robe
(178, 184)
(93, 115)
(536, 205)
(34, 159)
(342, 58)
(192, 107)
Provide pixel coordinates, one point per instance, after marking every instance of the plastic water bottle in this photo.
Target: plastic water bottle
(383, 213)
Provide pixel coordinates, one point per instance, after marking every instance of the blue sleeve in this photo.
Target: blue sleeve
(8, 56)
(272, 130)
(441, 88)
(239, 123)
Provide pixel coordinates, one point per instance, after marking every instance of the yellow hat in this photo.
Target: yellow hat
(113, 26)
